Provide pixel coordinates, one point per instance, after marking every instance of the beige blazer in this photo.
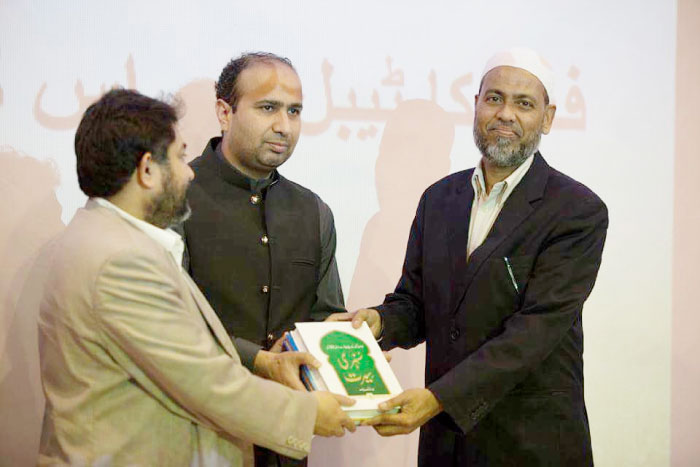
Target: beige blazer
(138, 370)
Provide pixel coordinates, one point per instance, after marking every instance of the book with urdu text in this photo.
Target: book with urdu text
(352, 364)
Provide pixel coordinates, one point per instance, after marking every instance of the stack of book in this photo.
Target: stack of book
(352, 364)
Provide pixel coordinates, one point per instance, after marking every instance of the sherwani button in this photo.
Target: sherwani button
(264, 240)
(255, 199)
(265, 289)
(454, 334)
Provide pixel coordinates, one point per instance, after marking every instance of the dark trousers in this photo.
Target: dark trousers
(266, 458)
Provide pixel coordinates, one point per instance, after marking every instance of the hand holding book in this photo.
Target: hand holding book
(331, 420)
(367, 315)
(352, 364)
(284, 367)
(417, 407)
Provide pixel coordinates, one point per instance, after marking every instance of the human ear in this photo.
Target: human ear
(145, 171)
(223, 114)
(549, 112)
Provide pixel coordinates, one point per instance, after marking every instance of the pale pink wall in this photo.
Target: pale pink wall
(685, 378)
(31, 215)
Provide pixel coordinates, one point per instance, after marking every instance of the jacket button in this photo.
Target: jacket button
(265, 289)
(255, 199)
(264, 240)
(454, 334)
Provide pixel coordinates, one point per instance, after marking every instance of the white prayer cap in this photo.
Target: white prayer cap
(526, 59)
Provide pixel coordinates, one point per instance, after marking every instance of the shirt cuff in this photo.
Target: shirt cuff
(247, 351)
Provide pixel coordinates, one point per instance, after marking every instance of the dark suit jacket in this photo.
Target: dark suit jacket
(506, 364)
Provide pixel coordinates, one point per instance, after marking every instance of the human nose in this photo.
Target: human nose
(282, 124)
(505, 113)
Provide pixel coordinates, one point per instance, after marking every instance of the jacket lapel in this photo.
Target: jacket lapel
(210, 317)
(458, 207)
(516, 209)
(205, 309)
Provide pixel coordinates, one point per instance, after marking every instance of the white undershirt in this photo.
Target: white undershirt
(486, 208)
(167, 238)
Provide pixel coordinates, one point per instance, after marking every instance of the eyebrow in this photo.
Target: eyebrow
(296, 105)
(516, 96)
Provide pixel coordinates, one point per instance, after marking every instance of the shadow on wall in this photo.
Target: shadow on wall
(414, 153)
(198, 123)
(31, 217)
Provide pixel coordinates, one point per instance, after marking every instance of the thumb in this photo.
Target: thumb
(343, 400)
(279, 344)
(305, 358)
(393, 402)
(360, 316)
(347, 316)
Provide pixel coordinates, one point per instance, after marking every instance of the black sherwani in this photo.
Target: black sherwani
(262, 253)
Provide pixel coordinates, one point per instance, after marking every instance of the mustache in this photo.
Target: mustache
(514, 127)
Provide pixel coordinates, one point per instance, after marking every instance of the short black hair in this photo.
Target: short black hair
(114, 134)
(226, 87)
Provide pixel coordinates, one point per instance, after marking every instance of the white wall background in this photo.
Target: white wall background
(617, 138)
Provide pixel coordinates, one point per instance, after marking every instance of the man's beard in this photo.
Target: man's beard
(505, 152)
(170, 207)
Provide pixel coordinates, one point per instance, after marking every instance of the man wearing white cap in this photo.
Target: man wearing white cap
(499, 262)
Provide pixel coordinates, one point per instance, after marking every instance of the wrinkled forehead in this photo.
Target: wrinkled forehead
(512, 80)
(263, 78)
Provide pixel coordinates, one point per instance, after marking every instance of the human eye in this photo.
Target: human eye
(493, 98)
(526, 104)
(294, 111)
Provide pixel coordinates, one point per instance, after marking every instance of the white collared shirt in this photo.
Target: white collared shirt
(486, 208)
(167, 238)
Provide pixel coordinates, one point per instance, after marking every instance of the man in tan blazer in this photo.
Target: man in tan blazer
(136, 367)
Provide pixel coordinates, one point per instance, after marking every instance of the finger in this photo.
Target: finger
(343, 400)
(383, 419)
(387, 355)
(397, 401)
(341, 316)
(304, 358)
(374, 421)
(390, 430)
(349, 424)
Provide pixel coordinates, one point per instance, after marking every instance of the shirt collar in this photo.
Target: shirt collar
(167, 238)
(503, 188)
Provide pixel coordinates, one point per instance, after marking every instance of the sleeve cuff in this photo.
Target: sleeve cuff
(247, 351)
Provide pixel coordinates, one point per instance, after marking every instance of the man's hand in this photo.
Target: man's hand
(284, 367)
(331, 420)
(417, 407)
(370, 315)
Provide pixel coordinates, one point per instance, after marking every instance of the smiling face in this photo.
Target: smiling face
(260, 133)
(510, 116)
